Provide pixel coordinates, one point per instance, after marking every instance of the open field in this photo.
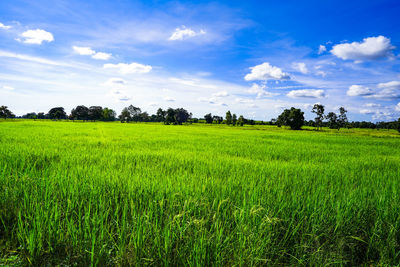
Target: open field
(150, 194)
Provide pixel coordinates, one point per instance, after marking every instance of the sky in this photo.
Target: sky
(254, 58)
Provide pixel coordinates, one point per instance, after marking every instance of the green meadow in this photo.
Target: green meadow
(106, 194)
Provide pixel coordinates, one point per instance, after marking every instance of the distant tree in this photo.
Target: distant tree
(319, 110)
(342, 120)
(41, 115)
(109, 114)
(57, 113)
(31, 115)
(228, 117)
(182, 115)
(218, 119)
(125, 115)
(135, 112)
(6, 113)
(398, 125)
(293, 117)
(234, 119)
(332, 120)
(95, 113)
(80, 113)
(160, 115)
(169, 116)
(209, 118)
(240, 121)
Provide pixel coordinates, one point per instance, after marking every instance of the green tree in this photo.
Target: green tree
(218, 119)
(293, 117)
(240, 121)
(228, 117)
(95, 113)
(342, 120)
(209, 118)
(160, 115)
(80, 113)
(109, 114)
(182, 115)
(125, 115)
(57, 113)
(319, 110)
(398, 125)
(234, 119)
(332, 120)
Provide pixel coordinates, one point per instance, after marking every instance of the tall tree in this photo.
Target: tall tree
(294, 118)
(160, 115)
(57, 113)
(342, 120)
(228, 117)
(95, 113)
(319, 110)
(109, 114)
(218, 119)
(80, 113)
(234, 119)
(170, 116)
(332, 120)
(209, 118)
(182, 115)
(135, 112)
(6, 113)
(240, 120)
(125, 115)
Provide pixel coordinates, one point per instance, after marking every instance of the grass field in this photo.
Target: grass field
(150, 194)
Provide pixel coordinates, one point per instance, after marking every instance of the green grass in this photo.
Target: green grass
(149, 194)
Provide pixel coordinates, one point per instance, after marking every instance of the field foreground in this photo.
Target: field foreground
(150, 194)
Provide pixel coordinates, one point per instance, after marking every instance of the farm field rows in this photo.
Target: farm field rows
(151, 194)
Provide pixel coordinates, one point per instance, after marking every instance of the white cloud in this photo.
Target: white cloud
(84, 51)
(306, 93)
(300, 66)
(369, 49)
(119, 95)
(372, 105)
(397, 107)
(87, 51)
(221, 94)
(367, 111)
(32, 59)
(359, 90)
(7, 88)
(183, 33)
(114, 82)
(101, 56)
(265, 72)
(169, 99)
(129, 68)
(4, 27)
(260, 92)
(321, 73)
(37, 36)
(390, 90)
(321, 49)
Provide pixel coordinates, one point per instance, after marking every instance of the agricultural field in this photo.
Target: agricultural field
(74, 193)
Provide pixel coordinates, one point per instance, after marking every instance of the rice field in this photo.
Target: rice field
(112, 194)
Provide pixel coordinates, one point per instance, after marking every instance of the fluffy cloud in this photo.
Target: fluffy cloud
(390, 90)
(259, 91)
(321, 49)
(372, 105)
(4, 27)
(369, 49)
(300, 66)
(129, 68)
(397, 108)
(265, 72)
(84, 51)
(359, 90)
(306, 93)
(367, 111)
(37, 36)
(221, 94)
(87, 51)
(119, 95)
(183, 33)
(101, 56)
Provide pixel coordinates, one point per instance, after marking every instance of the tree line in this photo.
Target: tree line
(293, 117)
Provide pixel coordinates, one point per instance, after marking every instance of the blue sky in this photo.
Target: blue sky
(251, 57)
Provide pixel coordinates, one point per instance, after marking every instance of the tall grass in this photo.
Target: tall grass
(149, 194)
